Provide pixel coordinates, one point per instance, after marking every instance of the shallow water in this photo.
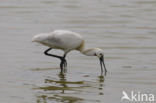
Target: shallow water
(124, 29)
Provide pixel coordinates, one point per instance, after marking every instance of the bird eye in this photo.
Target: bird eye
(95, 54)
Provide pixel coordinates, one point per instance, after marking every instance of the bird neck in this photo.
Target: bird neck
(81, 47)
(88, 52)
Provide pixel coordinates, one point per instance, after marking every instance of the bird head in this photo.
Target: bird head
(99, 53)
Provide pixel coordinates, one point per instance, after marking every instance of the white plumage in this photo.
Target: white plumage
(60, 39)
(67, 41)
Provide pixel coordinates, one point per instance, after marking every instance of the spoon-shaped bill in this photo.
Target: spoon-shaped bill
(102, 65)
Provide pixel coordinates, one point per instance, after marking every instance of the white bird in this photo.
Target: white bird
(67, 41)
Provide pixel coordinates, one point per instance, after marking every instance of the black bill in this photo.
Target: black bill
(102, 64)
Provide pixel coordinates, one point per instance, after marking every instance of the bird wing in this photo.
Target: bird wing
(52, 40)
(62, 39)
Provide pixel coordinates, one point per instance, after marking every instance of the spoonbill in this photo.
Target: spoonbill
(67, 40)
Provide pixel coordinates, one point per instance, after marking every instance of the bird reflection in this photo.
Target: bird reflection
(57, 91)
(62, 90)
(101, 84)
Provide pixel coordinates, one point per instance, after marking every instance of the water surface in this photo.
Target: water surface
(124, 29)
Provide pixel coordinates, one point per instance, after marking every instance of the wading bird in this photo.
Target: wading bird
(67, 41)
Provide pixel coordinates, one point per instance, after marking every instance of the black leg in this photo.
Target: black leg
(56, 56)
(63, 63)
